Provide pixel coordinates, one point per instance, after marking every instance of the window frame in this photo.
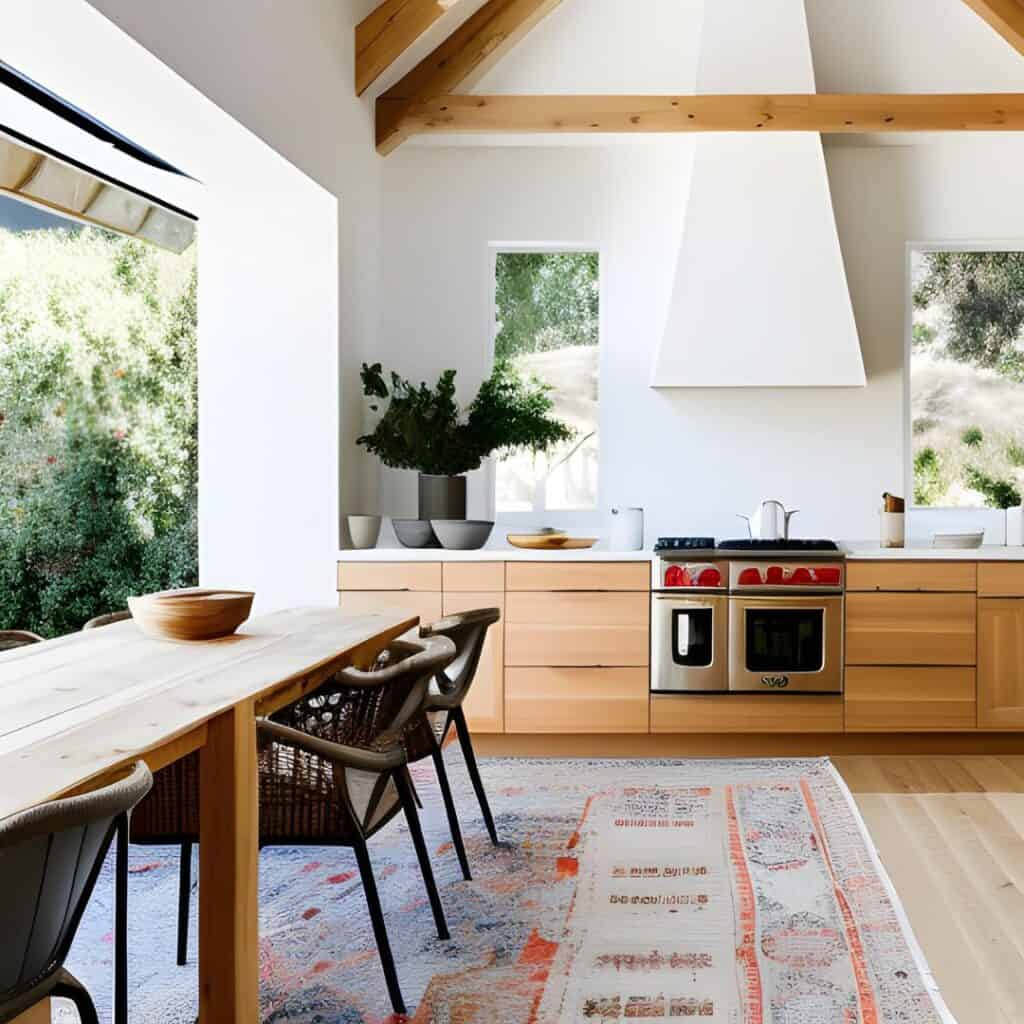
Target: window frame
(568, 518)
(912, 247)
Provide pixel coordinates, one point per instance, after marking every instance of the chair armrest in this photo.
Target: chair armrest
(349, 757)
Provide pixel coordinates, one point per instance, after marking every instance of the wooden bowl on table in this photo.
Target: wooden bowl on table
(192, 614)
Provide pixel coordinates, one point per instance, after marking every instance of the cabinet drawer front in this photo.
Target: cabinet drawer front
(1001, 579)
(578, 576)
(424, 576)
(912, 576)
(577, 629)
(576, 700)
(485, 703)
(770, 713)
(910, 629)
(473, 577)
(910, 699)
(373, 602)
(1001, 664)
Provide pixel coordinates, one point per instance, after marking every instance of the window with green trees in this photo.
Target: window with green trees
(967, 377)
(98, 420)
(546, 328)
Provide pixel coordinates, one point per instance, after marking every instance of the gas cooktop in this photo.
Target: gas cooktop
(795, 546)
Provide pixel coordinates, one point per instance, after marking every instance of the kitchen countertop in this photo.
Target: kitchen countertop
(869, 551)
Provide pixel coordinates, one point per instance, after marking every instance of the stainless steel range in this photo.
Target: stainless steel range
(747, 616)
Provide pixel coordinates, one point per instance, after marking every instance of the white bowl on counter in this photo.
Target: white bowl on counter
(959, 540)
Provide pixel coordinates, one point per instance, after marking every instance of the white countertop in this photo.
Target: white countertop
(869, 551)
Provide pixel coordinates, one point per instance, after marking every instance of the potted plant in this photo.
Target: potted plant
(423, 428)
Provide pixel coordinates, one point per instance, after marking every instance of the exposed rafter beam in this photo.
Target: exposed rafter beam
(383, 36)
(459, 61)
(1005, 16)
(813, 112)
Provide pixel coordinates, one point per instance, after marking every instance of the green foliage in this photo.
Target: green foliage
(998, 493)
(973, 437)
(98, 425)
(930, 477)
(1015, 454)
(545, 301)
(424, 429)
(983, 294)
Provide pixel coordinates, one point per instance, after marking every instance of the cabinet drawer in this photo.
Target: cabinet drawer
(910, 629)
(389, 576)
(770, 713)
(373, 602)
(1001, 579)
(578, 576)
(576, 629)
(576, 700)
(473, 577)
(1001, 664)
(485, 703)
(912, 576)
(910, 699)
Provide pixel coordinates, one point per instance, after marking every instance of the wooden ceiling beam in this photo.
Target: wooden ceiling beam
(812, 112)
(385, 34)
(1005, 16)
(458, 62)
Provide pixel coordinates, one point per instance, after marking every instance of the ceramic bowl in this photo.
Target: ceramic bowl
(363, 530)
(415, 533)
(462, 534)
(192, 614)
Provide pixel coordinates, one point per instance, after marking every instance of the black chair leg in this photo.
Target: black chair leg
(120, 925)
(184, 899)
(474, 772)
(71, 988)
(404, 787)
(380, 933)
(453, 819)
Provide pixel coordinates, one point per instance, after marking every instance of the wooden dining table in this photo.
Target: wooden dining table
(80, 708)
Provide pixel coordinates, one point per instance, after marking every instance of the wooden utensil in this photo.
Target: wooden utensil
(893, 503)
(191, 614)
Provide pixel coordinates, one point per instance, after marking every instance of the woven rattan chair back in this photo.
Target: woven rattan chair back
(50, 857)
(107, 620)
(12, 638)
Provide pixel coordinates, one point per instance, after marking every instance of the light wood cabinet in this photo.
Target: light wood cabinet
(417, 576)
(473, 577)
(559, 576)
(912, 577)
(485, 703)
(891, 699)
(372, 602)
(576, 700)
(910, 629)
(1001, 579)
(770, 713)
(579, 629)
(1001, 663)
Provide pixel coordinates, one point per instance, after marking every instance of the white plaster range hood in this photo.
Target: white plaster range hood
(760, 296)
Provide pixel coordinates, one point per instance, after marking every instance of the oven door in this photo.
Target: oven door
(786, 644)
(689, 653)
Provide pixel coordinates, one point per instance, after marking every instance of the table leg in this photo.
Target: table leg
(228, 865)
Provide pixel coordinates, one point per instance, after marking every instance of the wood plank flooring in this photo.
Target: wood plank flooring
(950, 831)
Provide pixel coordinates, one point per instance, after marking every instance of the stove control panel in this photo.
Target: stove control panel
(806, 576)
(690, 575)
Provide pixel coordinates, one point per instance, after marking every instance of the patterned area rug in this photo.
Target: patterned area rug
(734, 892)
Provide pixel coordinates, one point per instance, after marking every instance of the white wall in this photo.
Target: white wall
(692, 458)
(269, 244)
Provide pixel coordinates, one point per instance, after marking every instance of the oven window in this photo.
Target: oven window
(692, 637)
(785, 639)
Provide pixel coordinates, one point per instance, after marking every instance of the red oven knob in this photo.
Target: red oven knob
(774, 575)
(801, 577)
(750, 578)
(828, 577)
(674, 576)
(709, 578)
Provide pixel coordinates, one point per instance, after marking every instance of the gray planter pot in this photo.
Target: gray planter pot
(442, 497)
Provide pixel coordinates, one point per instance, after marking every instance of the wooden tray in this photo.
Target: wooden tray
(549, 541)
(192, 614)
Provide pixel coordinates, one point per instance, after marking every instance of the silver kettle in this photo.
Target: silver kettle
(770, 521)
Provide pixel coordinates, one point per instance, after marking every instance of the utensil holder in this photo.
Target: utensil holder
(892, 532)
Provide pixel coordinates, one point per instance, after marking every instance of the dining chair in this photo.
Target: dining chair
(333, 771)
(50, 858)
(12, 638)
(444, 708)
(108, 619)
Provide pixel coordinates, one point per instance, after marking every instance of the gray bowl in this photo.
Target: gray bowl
(415, 533)
(462, 534)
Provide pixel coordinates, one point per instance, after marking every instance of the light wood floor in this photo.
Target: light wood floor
(950, 831)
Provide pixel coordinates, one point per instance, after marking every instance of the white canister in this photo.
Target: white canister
(627, 530)
(892, 531)
(363, 531)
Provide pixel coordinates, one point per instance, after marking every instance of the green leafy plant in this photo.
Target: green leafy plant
(424, 428)
(930, 477)
(998, 493)
(973, 437)
(1015, 454)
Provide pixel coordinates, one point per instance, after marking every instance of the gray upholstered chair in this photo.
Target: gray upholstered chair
(12, 638)
(107, 620)
(333, 771)
(50, 858)
(443, 709)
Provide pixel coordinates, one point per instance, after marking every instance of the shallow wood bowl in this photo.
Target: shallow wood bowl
(192, 614)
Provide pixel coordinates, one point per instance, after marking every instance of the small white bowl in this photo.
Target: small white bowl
(961, 540)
